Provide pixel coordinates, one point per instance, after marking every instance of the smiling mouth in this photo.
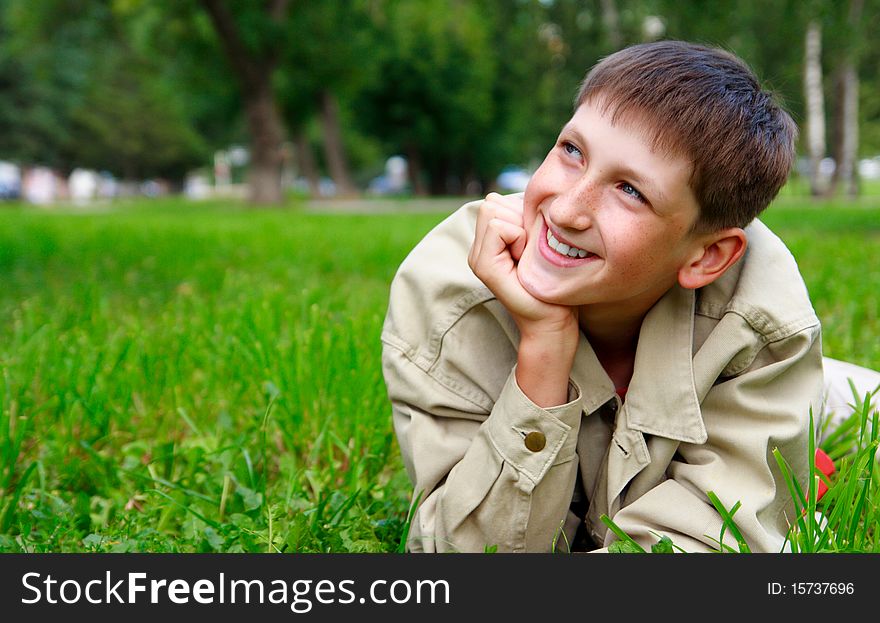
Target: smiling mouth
(566, 250)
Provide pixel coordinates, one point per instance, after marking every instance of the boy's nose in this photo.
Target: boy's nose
(574, 209)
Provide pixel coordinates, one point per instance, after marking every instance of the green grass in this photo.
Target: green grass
(197, 379)
(837, 247)
(844, 520)
(181, 377)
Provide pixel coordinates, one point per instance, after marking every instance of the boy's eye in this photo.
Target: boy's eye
(571, 149)
(631, 190)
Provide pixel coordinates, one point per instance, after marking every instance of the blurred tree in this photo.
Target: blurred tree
(765, 34)
(814, 98)
(32, 126)
(329, 62)
(839, 29)
(43, 77)
(611, 24)
(80, 95)
(462, 88)
(252, 38)
(180, 39)
(846, 110)
(869, 94)
(433, 101)
(131, 124)
(528, 88)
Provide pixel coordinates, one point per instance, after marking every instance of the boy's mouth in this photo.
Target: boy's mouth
(563, 249)
(561, 253)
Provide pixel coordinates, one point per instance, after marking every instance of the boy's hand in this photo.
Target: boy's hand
(549, 333)
(499, 241)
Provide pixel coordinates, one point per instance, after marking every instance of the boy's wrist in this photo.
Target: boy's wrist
(543, 369)
(562, 332)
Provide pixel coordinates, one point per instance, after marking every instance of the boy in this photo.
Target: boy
(622, 338)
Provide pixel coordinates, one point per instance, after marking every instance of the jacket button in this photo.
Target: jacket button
(535, 441)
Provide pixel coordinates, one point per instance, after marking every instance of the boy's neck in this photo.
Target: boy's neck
(613, 337)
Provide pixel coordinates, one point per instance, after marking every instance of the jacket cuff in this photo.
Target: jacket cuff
(530, 438)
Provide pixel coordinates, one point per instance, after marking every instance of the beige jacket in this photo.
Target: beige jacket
(722, 377)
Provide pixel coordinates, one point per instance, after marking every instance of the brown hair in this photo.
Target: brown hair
(705, 104)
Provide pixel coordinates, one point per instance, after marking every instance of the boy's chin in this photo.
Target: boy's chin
(537, 287)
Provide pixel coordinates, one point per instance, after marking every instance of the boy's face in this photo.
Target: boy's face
(626, 209)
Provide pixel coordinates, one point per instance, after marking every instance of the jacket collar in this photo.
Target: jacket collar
(588, 374)
(662, 397)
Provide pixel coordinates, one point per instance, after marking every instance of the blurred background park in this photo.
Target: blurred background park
(203, 202)
(347, 98)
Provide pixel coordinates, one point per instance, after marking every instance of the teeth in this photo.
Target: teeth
(564, 249)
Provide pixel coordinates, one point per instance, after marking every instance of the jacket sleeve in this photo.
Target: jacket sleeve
(478, 484)
(747, 416)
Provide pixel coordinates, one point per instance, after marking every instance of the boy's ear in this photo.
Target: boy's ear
(715, 254)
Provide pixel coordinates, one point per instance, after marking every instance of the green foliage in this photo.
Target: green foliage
(663, 546)
(179, 38)
(433, 101)
(129, 124)
(404, 535)
(728, 525)
(463, 88)
(835, 244)
(197, 379)
(42, 77)
(625, 543)
(81, 96)
(844, 520)
(200, 377)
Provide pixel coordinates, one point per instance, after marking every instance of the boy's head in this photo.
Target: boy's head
(671, 150)
(706, 105)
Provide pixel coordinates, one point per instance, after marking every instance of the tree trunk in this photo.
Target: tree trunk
(305, 161)
(414, 169)
(267, 138)
(847, 124)
(439, 178)
(254, 75)
(846, 112)
(334, 151)
(815, 105)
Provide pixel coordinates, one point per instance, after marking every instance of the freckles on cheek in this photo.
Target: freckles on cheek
(634, 247)
(645, 253)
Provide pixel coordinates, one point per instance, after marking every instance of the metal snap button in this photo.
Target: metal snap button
(535, 441)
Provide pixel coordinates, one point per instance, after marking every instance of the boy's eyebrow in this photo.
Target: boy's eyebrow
(625, 170)
(642, 182)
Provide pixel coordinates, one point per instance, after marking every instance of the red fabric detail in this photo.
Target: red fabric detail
(825, 465)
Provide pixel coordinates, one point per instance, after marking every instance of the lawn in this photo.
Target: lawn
(204, 377)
